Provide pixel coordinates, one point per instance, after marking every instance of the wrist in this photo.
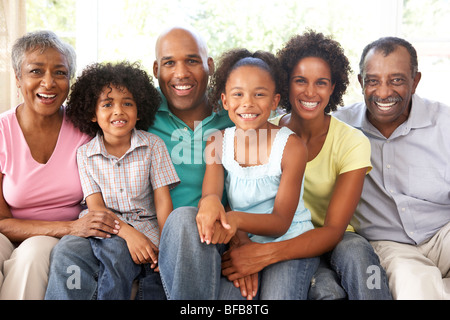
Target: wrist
(268, 253)
(212, 197)
(124, 230)
(233, 219)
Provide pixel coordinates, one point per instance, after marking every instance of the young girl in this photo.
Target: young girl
(264, 167)
(124, 169)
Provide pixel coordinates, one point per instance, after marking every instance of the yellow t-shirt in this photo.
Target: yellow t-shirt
(345, 149)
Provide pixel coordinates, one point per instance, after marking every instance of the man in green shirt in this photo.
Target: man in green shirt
(185, 119)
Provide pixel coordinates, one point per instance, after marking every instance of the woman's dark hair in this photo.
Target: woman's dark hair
(313, 44)
(235, 58)
(86, 90)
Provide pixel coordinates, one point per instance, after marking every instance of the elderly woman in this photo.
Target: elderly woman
(41, 193)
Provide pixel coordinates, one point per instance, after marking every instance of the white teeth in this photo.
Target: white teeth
(183, 87)
(47, 96)
(385, 106)
(310, 105)
(119, 122)
(248, 115)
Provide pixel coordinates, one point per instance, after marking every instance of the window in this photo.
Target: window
(112, 30)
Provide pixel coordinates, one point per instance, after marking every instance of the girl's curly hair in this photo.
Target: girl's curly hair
(314, 44)
(235, 58)
(86, 90)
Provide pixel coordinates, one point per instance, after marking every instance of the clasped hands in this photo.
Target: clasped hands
(216, 226)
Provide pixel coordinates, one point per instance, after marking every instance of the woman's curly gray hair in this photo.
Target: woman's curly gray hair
(41, 40)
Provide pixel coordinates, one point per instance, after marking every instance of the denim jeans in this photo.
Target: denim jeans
(352, 271)
(77, 274)
(192, 270)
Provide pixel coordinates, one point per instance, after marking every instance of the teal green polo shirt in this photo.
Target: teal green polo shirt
(186, 147)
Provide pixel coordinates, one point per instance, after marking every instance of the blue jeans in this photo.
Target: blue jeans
(352, 271)
(192, 270)
(86, 268)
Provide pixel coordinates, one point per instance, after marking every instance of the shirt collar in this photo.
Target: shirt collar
(98, 147)
(419, 116)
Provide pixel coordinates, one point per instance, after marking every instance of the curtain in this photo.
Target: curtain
(12, 26)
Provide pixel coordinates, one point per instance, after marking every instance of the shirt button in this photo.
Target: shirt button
(120, 190)
(388, 166)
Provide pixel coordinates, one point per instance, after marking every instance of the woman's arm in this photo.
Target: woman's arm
(17, 230)
(253, 257)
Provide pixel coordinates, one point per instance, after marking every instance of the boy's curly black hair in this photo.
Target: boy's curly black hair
(86, 90)
(314, 44)
(234, 58)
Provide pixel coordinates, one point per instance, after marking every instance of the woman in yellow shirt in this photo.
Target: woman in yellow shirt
(338, 160)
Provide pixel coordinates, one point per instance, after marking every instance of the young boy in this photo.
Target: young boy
(124, 170)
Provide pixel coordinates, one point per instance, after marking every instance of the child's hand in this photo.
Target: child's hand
(224, 235)
(142, 250)
(210, 211)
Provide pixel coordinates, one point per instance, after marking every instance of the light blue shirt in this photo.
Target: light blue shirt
(253, 189)
(406, 196)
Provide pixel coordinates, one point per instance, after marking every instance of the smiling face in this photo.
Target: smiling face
(116, 113)
(388, 86)
(44, 81)
(182, 68)
(250, 97)
(310, 87)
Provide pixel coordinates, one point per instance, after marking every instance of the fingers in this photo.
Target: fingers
(224, 221)
(248, 286)
(220, 234)
(147, 253)
(205, 228)
(96, 224)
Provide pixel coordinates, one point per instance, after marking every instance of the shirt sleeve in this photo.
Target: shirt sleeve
(355, 152)
(88, 183)
(162, 171)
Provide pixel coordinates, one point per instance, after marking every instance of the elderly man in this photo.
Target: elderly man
(405, 204)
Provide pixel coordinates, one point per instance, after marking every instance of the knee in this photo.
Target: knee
(353, 252)
(180, 232)
(66, 244)
(354, 245)
(67, 249)
(35, 249)
(182, 216)
(180, 222)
